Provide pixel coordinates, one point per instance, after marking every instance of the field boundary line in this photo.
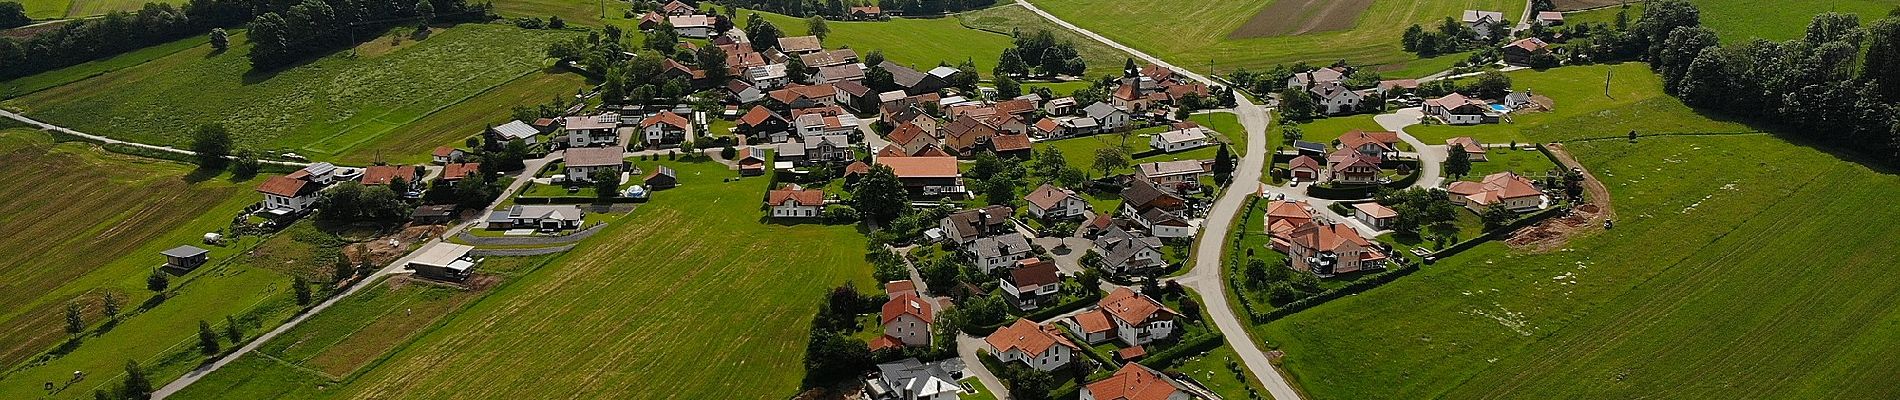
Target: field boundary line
(298, 367)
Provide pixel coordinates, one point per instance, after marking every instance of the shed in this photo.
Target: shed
(662, 178)
(433, 214)
(444, 261)
(186, 257)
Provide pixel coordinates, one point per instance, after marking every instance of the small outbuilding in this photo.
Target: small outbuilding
(662, 178)
(445, 261)
(186, 257)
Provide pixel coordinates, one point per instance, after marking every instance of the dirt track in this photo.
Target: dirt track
(1571, 5)
(1295, 17)
(1551, 234)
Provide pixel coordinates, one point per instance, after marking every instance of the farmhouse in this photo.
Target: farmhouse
(675, 8)
(1549, 18)
(1315, 77)
(832, 58)
(662, 177)
(1174, 174)
(795, 202)
(444, 261)
(1127, 253)
(1335, 98)
(1456, 109)
(1521, 51)
(866, 13)
(907, 319)
(446, 154)
(1107, 118)
(185, 257)
(287, 195)
(804, 96)
(1331, 248)
(1179, 140)
(1506, 189)
(665, 128)
(909, 379)
(1375, 215)
(591, 131)
(1051, 202)
(545, 217)
(1471, 146)
(1135, 319)
(1383, 145)
(743, 93)
(1138, 382)
(926, 176)
(1000, 251)
(763, 124)
(913, 82)
(1041, 347)
(834, 74)
(582, 162)
(1352, 167)
(965, 226)
(751, 161)
(692, 26)
(1482, 21)
(1033, 281)
(798, 45)
(1304, 169)
(456, 172)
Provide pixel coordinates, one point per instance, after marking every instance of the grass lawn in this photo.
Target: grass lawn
(451, 125)
(1528, 163)
(1059, 88)
(1582, 109)
(1008, 18)
(41, 81)
(1691, 296)
(918, 43)
(1197, 34)
(1325, 130)
(1210, 369)
(982, 392)
(1742, 20)
(333, 106)
(55, 9)
(1080, 151)
(692, 293)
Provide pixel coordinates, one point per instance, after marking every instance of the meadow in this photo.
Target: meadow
(332, 106)
(1221, 35)
(56, 9)
(1634, 101)
(1739, 20)
(1006, 19)
(29, 84)
(693, 292)
(451, 125)
(918, 43)
(1691, 295)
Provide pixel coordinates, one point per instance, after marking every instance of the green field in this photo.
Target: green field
(919, 43)
(56, 9)
(1102, 59)
(1692, 295)
(1080, 151)
(1195, 34)
(1582, 109)
(450, 126)
(1740, 20)
(333, 106)
(691, 293)
(29, 84)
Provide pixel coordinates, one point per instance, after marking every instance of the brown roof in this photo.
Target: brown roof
(1034, 272)
(829, 58)
(894, 288)
(892, 150)
(1133, 308)
(1093, 322)
(906, 133)
(1509, 185)
(921, 167)
(384, 174)
(1016, 106)
(1356, 138)
(457, 171)
(593, 156)
(758, 115)
(1048, 196)
(1376, 210)
(1133, 382)
(1009, 142)
(1529, 44)
(1303, 161)
(857, 167)
(1029, 337)
(1328, 237)
(668, 118)
(793, 93)
(1398, 84)
(908, 304)
(444, 151)
(872, 10)
(287, 186)
(800, 43)
(804, 197)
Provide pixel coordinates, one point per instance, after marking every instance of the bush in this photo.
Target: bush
(841, 214)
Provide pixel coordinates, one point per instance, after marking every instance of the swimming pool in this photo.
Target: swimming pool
(1500, 108)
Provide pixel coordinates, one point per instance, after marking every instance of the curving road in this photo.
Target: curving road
(1205, 276)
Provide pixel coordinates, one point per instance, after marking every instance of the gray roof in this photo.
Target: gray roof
(184, 251)
(515, 130)
(791, 149)
(555, 212)
(320, 168)
(1309, 146)
(1118, 245)
(912, 376)
(1100, 110)
(1003, 245)
(498, 217)
(944, 72)
(902, 75)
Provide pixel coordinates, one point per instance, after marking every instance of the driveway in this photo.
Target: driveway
(1431, 157)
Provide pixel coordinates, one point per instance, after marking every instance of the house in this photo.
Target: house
(287, 195)
(444, 261)
(446, 154)
(1506, 189)
(804, 96)
(692, 26)
(1521, 51)
(1382, 145)
(742, 92)
(1173, 174)
(827, 148)
(651, 20)
(1549, 18)
(1310, 149)
(966, 226)
(1335, 98)
(865, 13)
(1375, 215)
(913, 82)
(751, 161)
(432, 214)
(1011, 145)
(1471, 146)
(907, 318)
(795, 202)
(1107, 117)
(798, 45)
(515, 130)
(1304, 169)
(1059, 106)
(582, 162)
(1000, 251)
(909, 379)
(963, 134)
(1041, 347)
(665, 128)
(185, 257)
(1138, 382)
(769, 76)
(456, 172)
(829, 58)
(1140, 195)
(544, 217)
(1051, 202)
(926, 176)
(1178, 140)
(1135, 319)
(1129, 96)
(1164, 223)
(1387, 87)
(1127, 253)
(763, 124)
(677, 8)
(840, 73)
(377, 175)
(1020, 108)
(1283, 217)
(1482, 21)
(1030, 283)
(1456, 109)
(1315, 77)
(1352, 167)
(853, 94)
(662, 177)
(591, 131)
(1326, 249)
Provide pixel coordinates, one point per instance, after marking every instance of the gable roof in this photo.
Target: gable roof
(1343, 160)
(1006, 142)
(1530, 44)
(1170, 168)
(829, 58)
(1141, 192)
(965, 223)
(515, 130)
(908, 303)
(804, 197)
(593, 156)
(1357, 138)
(1326, 237)
(1032, 339)
(1184, 135)
(1471, 145)
(921, 167)
(759, 115)
(1133, 308)
(1033, 272)
(287, 186)
(1134, 382)
(1049, 196)
(384, 174)
(457, 171)
(800, 44)
(668, 118)
(793, 93)
(1303, 161)
(902, 75)
(1375, 210)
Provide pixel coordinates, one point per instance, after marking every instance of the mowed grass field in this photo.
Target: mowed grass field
(452, 125)
(1227, 35)
(333, 106)
(56, 9)
(691, 296)
(29, 84)
(1741, 265)
(1080, 151)
(919, 43)
(1634, 102)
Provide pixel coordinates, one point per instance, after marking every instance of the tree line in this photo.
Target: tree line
(114, 33)
(282, 36)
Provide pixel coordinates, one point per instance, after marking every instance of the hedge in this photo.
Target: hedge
(572, 200)
(1355, 287)
(1050, 312)
(1187, 347)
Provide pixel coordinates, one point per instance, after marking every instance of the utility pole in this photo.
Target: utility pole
(1607, 72)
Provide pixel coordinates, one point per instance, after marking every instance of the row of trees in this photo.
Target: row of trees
(284, 36)
(841, 8)
(13, 15)
(114, 33)
(1839, 83)
(1040, 54)
(1451, 36)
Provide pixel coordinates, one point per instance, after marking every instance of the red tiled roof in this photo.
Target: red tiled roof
(457, 171)
(1356, 138)
(1048, 196)
(804, 197)
(1032, 339)
(856, 167)
(1010, 142)
(1016, 106)
(758, 115)
(383, 174)
(894, 288)
(444, 151)
(668, 118)
(1133, 308)
(921, 167)
(793, 93)
(1376, 210)
(908, 304)
(1133, 382)
(286, 186)
(1303, 161)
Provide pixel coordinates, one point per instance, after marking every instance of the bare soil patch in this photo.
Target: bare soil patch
(1571, 5)
(1296, 17)
(1551, 234)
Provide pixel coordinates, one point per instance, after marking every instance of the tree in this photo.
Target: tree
(1129, 69)
(1007, 88)
(1491, 85)
(554, 22)
(111, 305)
(220, 40)
(231, 331)
(1459, 162)
(606, 183)
(941, 275)
(1496, 216)
(1881, 66)
(157, 282)
(1707, 82)
(1833, 27)
(1297, 105)
(137, 385)
(1029, 383)
(425, 10)
(74, 323)
(1011, 64)
(1048, 163)
(302, 289)
(796, 71)
(1109, 159)
(1679, 50)
(1223, 165)
(1190, 309)
(13, 15)
(207, 338)
(879, 79)
(712, 59)
(212, 144)
(879, 195)
(1660, 17)
(1411, 38)
(1000, 190)
(762, 33)
(816, 27)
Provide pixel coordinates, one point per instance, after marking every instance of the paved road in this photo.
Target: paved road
(1431, 157)
(1205, 276)
(966, 350)
(106, 140)
(396, 267)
